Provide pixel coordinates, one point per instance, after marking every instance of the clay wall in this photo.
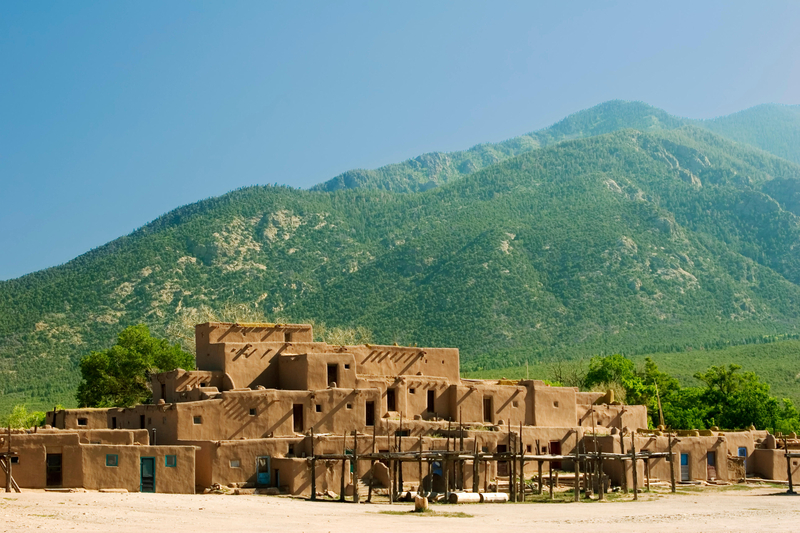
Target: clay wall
(178, 382)
(32, 449)
(771, 464)
(633, 417)
(178, 479)
(488, 403)
(553, 406)
(222, 332)
(310, 371)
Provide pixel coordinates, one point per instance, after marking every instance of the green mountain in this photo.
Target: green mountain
(626, 241)
(773, 128)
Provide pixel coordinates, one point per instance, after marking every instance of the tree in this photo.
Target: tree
(120, 375)
(20, 418)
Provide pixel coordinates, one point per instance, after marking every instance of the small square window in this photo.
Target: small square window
(15, 461)
(412, 391)
(112, 459)
(170, 461)
(346, 366)
(198, 419)
(529, 448)
(202, 385)
(349, 405)
(318, 408)
(83, 422)
(235, 463)
(555, 404)
(515, 403)
(252, 411)
(484, 449)
(291, 450)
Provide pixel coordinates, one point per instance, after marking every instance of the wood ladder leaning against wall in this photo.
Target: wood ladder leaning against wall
(5, 463)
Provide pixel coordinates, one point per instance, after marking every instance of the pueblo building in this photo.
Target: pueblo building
(269, 407)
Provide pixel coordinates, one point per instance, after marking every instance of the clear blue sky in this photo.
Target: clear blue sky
(112, 113)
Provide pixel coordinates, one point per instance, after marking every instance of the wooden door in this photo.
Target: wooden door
(147, 470)
(53, 462)
(685, 467)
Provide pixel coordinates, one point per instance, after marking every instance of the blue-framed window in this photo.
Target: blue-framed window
(112, 459)
(170, 461)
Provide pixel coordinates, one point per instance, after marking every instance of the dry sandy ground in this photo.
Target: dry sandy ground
(762, 509)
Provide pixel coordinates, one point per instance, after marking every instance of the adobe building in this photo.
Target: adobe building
(269, 407)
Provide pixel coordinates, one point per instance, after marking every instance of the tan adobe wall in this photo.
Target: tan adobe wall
(506, 403)
(587, 398)
(553, 406)
(633, 417)
(32, 450)
(126, 475)
(771, 464)
(219, 332)
(168, 386)
(310, 371)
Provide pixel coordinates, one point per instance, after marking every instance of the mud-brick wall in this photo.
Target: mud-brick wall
(178, 479)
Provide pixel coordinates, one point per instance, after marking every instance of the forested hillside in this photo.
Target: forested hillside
(627, 241)
(771, 127)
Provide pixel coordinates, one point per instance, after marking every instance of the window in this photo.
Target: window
(529, 448)
(297, 417)
(164, 391)
(349, 405)
(202, 385)
(347, 366)
(113, 422)
(333, 374)
(198, 419)
(112, 459)
(83, 422)
(555, 404)
(391, 400)
(287, 336)
(431, 401)
(252, 411)
(141, 421)
(515, 403)
(235, 463)
(291, 450)
(318, 408)
(15, 460)
(170, 461)
(411, 391)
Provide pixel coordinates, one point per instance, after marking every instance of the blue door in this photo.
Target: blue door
(743, 453)
(148, 474)
(262, 471)
(684, 467)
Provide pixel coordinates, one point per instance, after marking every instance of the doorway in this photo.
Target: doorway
(333, 375)
(297, 417)
(263, 471)
(487, 410)
(502, 466)
(370, 412)
(555, 449)
(743, 453)
(711, 465)
(53, 467)
(684, 467)
(391, 400)
(147, 470)
(431, 407)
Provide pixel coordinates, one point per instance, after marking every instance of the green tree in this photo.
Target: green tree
(120, 375)
(20, 418)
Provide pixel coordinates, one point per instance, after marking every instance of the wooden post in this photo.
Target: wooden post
(539, 490)
(8, 460)
(355, 466)
(577, 469)
(671, 463)
(550, 480)
(446, 461)
(521, 493)
(512, 481)
(313, 468)
(344, 465)
(371, 465)
(785, 449)
(647, 472)
(476, 469)
(623, 463)
(430, 476)
(635, 472)
(419, 466)
(601, 482)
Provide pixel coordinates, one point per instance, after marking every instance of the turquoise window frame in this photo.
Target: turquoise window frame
(112, 462)
(171, 461)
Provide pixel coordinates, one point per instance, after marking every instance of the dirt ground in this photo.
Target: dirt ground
(759, 509)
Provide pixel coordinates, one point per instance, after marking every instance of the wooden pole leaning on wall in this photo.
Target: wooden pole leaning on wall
(371, 466)
(539, 488)
(8, 460)
(635, 470)
(671, 462)
(355, 466)
(420, 488)
(577, 469)
(344, 465)
(476, 468)
(788, 466)
(313, 468)
(521, 493)
(623, 463)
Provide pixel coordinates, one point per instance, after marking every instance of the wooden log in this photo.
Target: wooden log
(371, 466)
(623, 463)
(355, 466)
(577, 469)
(521, 493)
(344, 465)
(635, 472)
(647, 473)
(9, 476)
(788, 467)
(671, 463)
(539, 491)
(476, 469)
(550, 480)
(419, 466)
(313, 468)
